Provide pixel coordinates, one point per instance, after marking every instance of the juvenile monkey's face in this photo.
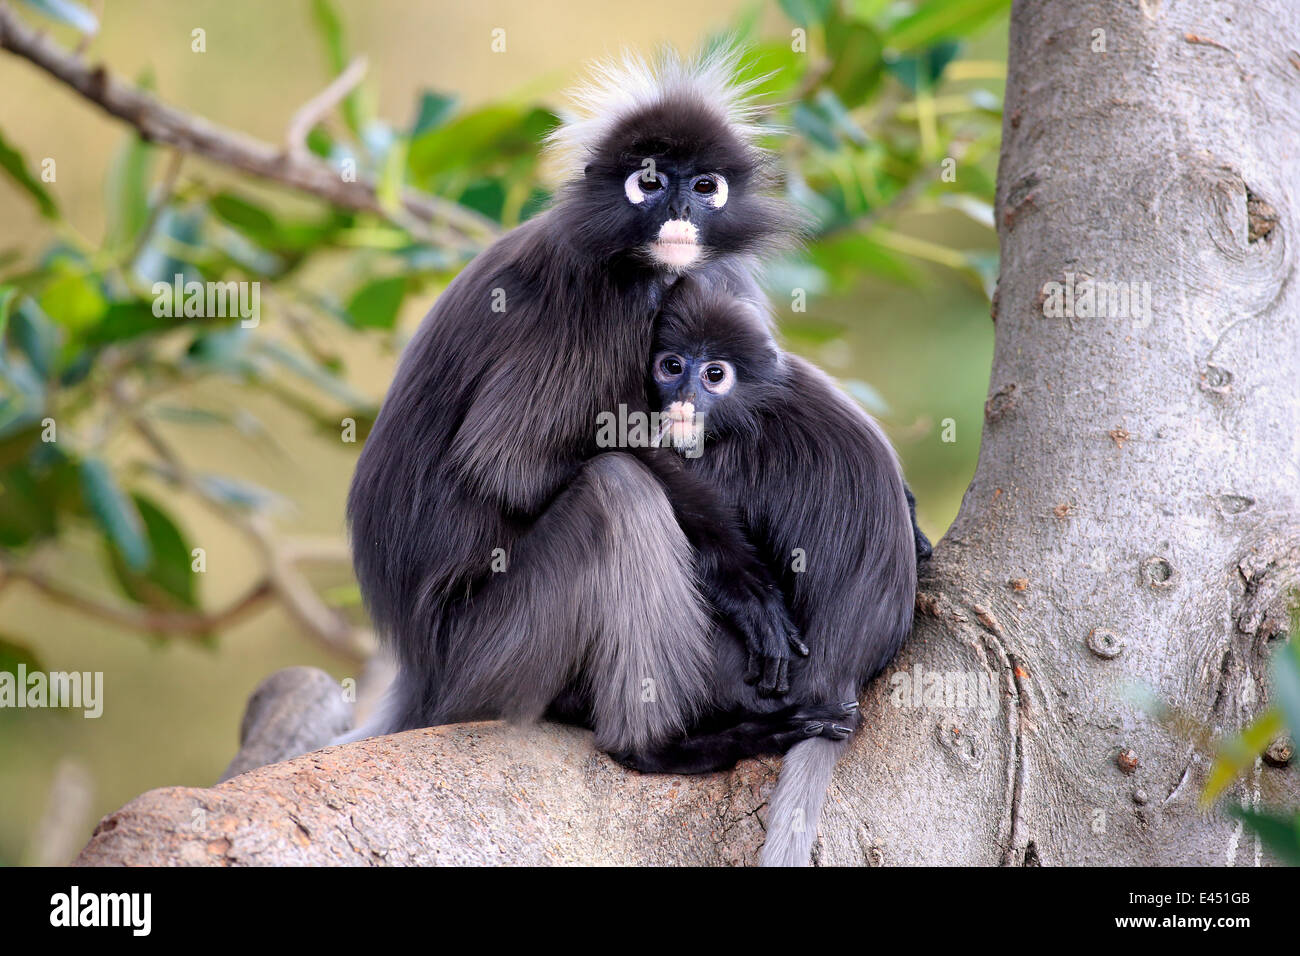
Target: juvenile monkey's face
(691, 387)
(714, 367)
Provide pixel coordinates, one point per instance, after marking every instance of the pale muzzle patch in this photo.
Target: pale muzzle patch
(678, 244)
(681, 428)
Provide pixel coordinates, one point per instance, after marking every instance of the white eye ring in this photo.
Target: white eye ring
(632, 187)
(721, 387)
(718, 198)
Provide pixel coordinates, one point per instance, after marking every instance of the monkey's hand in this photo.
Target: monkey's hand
(757, 609)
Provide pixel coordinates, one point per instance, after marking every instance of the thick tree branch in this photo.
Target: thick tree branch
(157, 122)
(467, 794)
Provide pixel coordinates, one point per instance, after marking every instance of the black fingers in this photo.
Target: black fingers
(776, 677)
(817, 728)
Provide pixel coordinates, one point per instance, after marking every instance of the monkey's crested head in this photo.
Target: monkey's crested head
(662, 163)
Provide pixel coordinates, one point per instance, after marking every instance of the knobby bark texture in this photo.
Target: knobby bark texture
(1132, 528)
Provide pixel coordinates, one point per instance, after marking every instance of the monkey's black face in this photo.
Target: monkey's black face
(714, 367)
(690, 385)
(673, 186)
(682, 201)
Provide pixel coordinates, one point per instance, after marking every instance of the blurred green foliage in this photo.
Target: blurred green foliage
(1237, 754)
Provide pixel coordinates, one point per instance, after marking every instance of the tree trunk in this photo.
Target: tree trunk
(1132, 523)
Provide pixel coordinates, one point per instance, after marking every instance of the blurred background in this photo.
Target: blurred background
(172, 489)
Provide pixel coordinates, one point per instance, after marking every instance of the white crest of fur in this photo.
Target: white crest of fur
(618, 88)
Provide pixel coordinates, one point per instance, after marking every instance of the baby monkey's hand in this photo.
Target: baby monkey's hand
(756, 607)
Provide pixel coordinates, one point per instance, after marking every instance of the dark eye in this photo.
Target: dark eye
(650, 183)
(718, 377)
(671, 365)
(706, 186)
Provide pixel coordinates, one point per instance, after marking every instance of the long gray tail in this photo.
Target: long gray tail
(797, 802)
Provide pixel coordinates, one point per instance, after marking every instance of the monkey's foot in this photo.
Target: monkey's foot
(753, 735)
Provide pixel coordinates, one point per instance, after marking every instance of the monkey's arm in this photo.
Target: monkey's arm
(736, 581)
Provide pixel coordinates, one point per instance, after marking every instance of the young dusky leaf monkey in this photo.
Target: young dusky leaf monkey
(515, 568)
(819, 491)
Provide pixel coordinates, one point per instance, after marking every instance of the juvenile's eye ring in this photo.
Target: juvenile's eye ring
(713, 187)
(718, 377)
(668, 366)
(638, 185)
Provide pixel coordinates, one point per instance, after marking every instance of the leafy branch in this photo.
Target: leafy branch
(159, 123)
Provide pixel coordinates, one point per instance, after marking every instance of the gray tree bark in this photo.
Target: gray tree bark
(1133, 522)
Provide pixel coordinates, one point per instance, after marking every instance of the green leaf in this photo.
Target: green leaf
(36, 336)
(434, 110)
(73, 301)
(1280, 832)
(869, 10)
(66, 11)
(377, 303)
(856, 54)
(8, 296)
(126, 192)
(330, 26)
(806, 12)
(320, 142)
(1237, 754)
(486, 196)
(940, 19)
(271, 231)
(485, 141)
(173, 247)
(812, 123)
(123, 321)
(243, 214)
(847, 256)
(223, 349)
(27, 510)
(392, 175)
(168, 581)
(771, 69)
(12, 162)
(13, 653)
(115, 513)
(834, 110)
(925, 68)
